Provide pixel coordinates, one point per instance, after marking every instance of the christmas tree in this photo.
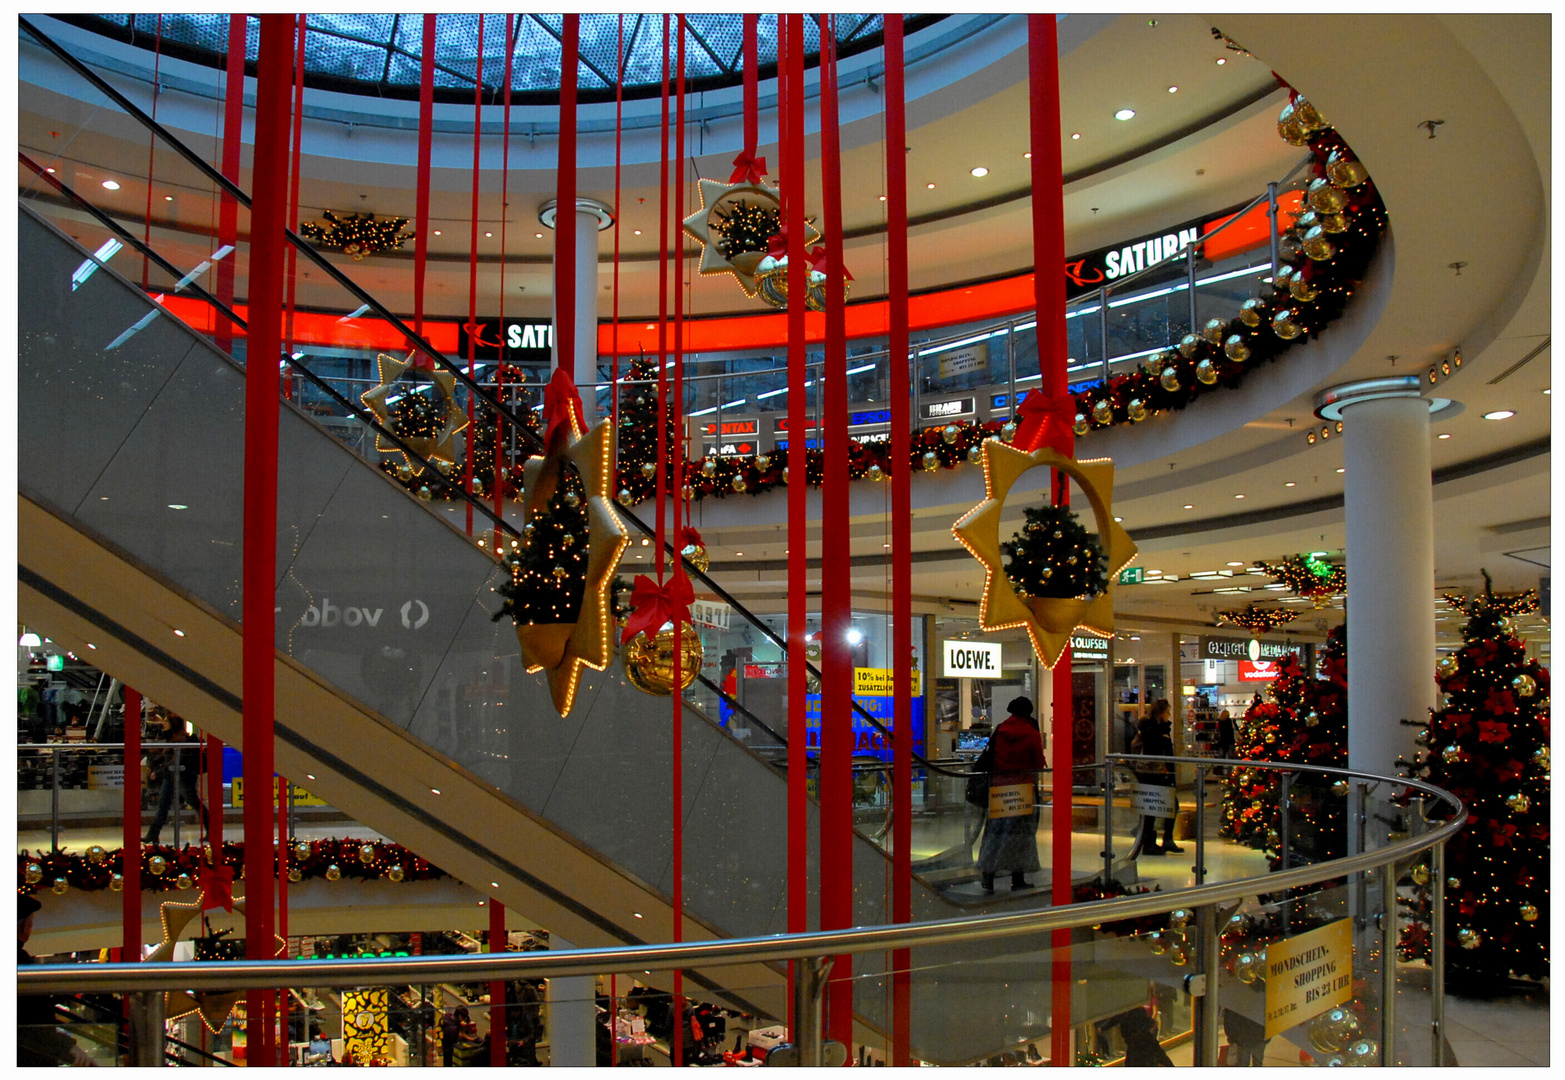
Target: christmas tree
(549, 566)
(1488, 744)
(1304, 722)
(1054, 555)
(638, 433)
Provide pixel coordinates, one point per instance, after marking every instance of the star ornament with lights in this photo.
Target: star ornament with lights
(213, 1006)
(437, 444)
(1050, 621)
(724, 209)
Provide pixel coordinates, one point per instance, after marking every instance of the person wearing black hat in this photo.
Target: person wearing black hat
(1011, 843)
(39, 1038)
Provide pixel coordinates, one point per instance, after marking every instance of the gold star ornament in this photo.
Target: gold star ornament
(439, 446)
(718, 202)
(1050, 621)
(563, 649)
(213, 1006)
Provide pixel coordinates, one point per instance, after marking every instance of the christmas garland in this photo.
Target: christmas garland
(1324, 257)
(1309, 576)
(1257, 620)
(165, 868)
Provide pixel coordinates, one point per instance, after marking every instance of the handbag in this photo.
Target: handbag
(978, 781)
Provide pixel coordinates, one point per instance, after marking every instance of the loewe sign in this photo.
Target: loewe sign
(971, 660)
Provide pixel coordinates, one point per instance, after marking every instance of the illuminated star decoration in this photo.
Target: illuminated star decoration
(1049, 621)
(437, 448)
(718, 200)
(212, 1006)
(563, 649)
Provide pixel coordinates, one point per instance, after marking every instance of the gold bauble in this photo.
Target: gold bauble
(931, 460)
(96, 854)
(366, 853)
(1008, 430)
(1448, 665)
(295, 875)
(1289, 127)
(1283, 276)
(1317, 245)
(424, 494)
(1517, 803)
(1308, 115)
(1524, 685)
(1189, 345)
(301, 849)
(1305, 222)
(33, 873)
(697, 556)
(560, 573)
(396, 873)
(1169, 380)
(623, 497)
(1344, 170)
(157, 865)
(875, 473)
(1253, 311)
(60, 886)
(1284, 326)
(1152, 365)
(1468, 938)
(1235, 348)
(1529, 913)
(739, 483)
(975, 454)
(1453, 882)
(649, 663)
(1103, 412)
(1325, 197)
(443, 466)
(1540, 757)
(708, 467)
(649, 470)
(950, 432)
(1179, 918)
(1311, 718)
(1422, 738)
(404, 471)
(183, 882)
(1334, 223)
(1081, 426)
(1271, 736)
(1206, 372)
(1339, 787)
(1288, 248)
(1302, 290)
(1157, 943)
(572, 499)
(1215, 330)
(117, 883)
(1136, 411)
(1420, 874)
(567, 539)
(1452, 754)
(1179, 956)
(333, 872)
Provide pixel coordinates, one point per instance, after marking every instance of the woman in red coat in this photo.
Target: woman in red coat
(1011, 843)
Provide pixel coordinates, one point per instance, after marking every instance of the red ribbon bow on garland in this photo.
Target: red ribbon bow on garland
(1044, 421)
(652, 604)
(217, 886)
(777, 245)
(691, 537)
(748, 169)
(818, 261)
(561, 406)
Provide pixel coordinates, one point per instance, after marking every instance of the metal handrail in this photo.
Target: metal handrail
(265, 974)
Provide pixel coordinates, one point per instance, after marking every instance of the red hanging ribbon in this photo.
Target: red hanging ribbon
(652, 604)
(777, 244)
(217, 886)
(818, 262)
(561, 407)
(752, 94)
(748, 169)
(691, 538)
(1044, 421)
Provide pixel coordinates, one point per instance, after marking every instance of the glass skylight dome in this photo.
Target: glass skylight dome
(381, 54)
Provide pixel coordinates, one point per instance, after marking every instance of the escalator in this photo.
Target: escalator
(399, 699)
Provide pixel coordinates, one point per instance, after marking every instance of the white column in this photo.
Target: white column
(1391, 577)
(572, 1015)
(591, 217)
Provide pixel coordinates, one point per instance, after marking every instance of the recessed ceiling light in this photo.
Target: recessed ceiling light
(637, 914)
(434, 791)
(309, 776)
(1446, 435)
(1189, 506)
(178, 506)
(980, 171)
(536, 235)
(1238, 496)
(1500, 414)
(179, 633)
(49, 170)
(1221, 60)
(931, 187)
(1125, 114)
(168, 198)
(738, 553)
(1236, 564)
(437, 232)
(882, 198)
(494, 884)
(638, 232)
(1290, 483)
(90, 645)
(1545, 389)
(1342, 470)
(1027, 155)
(1173, 89)
(1119, 519)
(491, 234)
(112, 185)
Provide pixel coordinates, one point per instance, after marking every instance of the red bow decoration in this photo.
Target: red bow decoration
(652, 604)
(1044, 421)
(691, 537)
(422, 362)
(818, 261)
(217, 886)
(777, 245)
(561, 406)
(748, 169)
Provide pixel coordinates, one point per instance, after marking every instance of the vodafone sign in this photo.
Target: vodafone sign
(1259, 670)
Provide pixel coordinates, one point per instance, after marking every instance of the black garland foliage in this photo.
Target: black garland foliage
(1054, 556)
(357, 235)
(638, 433)
(414, 416)
(1488, 744)
(549, 567)
(747, 228)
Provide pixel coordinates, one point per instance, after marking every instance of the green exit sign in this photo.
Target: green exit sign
(1132, 575)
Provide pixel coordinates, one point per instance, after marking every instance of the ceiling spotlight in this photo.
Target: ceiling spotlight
(1445, 435)
(168, 198)
(491, 234)
(1125, 114)
(1238, 496)
(179, 633)
(855, 636)
(1236, 564)
(1500, 414)
(638, 232)
(1342, 470)
(536, 235)
(882, 198)
(931, 187)
(1027, 155)
(1189, 506)
(1290, 483)
(980, 171)
(1221, 60)
(112, 185)
(1173, 89)
(437, 232)
(1075, 134)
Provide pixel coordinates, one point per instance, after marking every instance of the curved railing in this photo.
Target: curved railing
(1389, 821)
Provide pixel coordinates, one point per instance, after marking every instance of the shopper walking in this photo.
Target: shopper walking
(176, 768)
(1155, 738)
(1011, 843)
(1142, 1048)
(1225, 735)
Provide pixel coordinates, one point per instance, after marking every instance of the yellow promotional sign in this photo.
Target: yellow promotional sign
(876, 682)
(300, 796)
(1308, 974)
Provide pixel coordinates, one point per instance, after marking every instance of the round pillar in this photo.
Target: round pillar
(573, 1016)
(1390, 562)
(592, 217)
